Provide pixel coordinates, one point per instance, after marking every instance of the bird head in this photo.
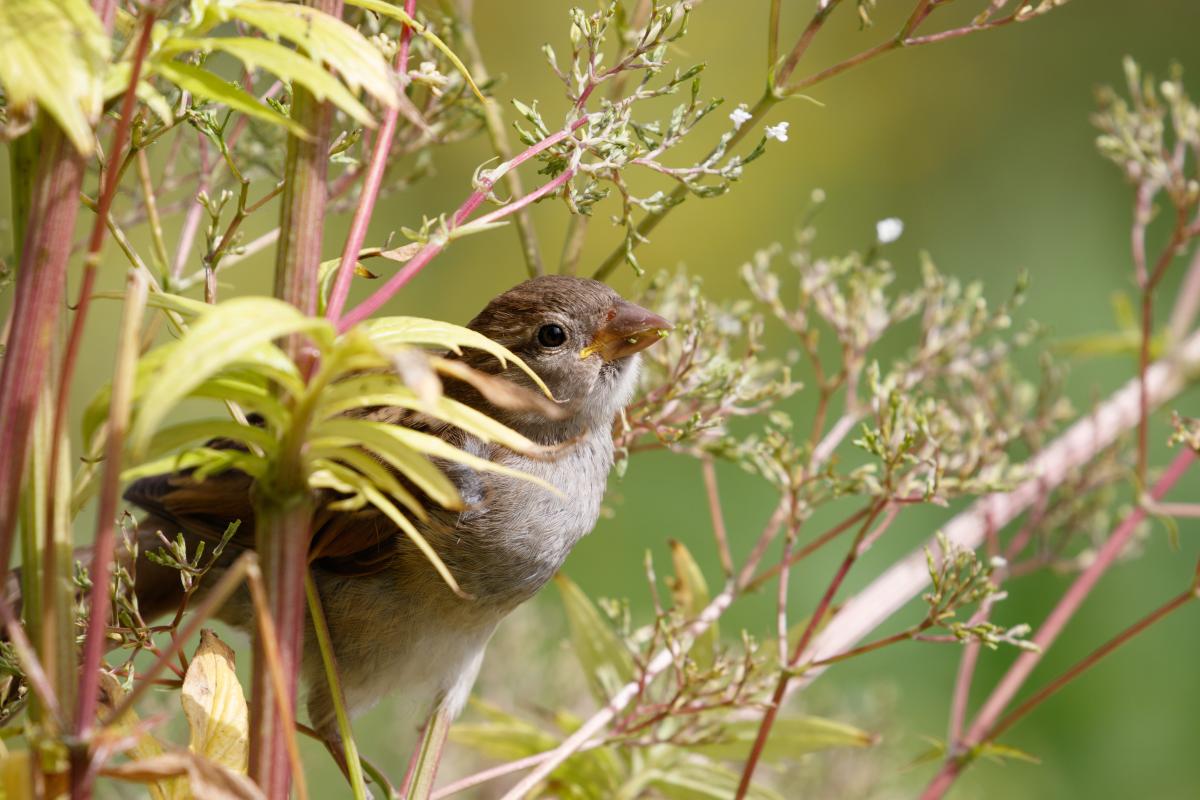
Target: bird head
(580, 337)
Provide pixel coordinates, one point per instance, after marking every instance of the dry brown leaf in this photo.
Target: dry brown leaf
(403, 253)
(215, 707)
(500, 392)
(208, 779)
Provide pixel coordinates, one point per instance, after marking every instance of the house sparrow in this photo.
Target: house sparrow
(395, 625)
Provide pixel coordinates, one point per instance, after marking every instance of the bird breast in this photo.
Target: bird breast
(514, 535)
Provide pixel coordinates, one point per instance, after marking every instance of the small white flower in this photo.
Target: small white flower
(998, 562)
(739, 116)
(779, 131)
(889, 230)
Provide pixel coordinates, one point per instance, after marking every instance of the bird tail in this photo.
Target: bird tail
(158, 588)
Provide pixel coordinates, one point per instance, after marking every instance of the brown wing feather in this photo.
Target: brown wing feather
(358, 542)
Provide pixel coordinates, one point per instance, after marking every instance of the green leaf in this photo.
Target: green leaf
(790, 737)
(253, 396)
(600, 651)
(380, 439)
(999, 753)
(323, 37)
(54, 53)
(392, 332)
(388, 10)
(388, 440)
(930, 755)
(116, 81)
(176, 436)
(506, 737)
(204, 460)
(702, 779)
(322, 455)
(283, 62)
(203, 83)
(230, 331)
(691, 594)
(462, 416)
(377, 499)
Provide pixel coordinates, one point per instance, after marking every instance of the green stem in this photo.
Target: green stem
(37, 304)
(284, 508)
(22, 161)
(494, 121)
(651, 220)
(321, 627)
(418, 784)
(282, 528)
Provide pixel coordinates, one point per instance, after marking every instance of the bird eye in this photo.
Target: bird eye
(551, 336)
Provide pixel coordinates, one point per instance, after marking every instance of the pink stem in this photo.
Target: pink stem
(371, 184)
(1070, 602)
(1077, 446)
(191, 222)
(427, 253)
(529, 199)
(1012, 681)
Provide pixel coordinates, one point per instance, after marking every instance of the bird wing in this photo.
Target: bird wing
(348, 542)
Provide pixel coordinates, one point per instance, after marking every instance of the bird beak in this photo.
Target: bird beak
(628, 329)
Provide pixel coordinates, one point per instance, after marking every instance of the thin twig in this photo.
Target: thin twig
(120, 406)
(494, 121)
(439, 242)
(718, 517)
(1077, 446)
(814, 621)
(1089, 661)
(371, 183)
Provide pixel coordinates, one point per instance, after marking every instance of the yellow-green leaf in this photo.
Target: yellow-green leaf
(392, 332)
(146, 746)
(397, 13)
(691, 594)
(16, 776)
(203, 83)
(600, 651)
(790, 737)
(382, 439)
(462, 416)
(323, 37)
(54, 53)
(221, 337)
(283, 62)
(704, 780)
(215, 706)
(174, 437)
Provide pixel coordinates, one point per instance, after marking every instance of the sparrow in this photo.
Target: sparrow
(395, 625)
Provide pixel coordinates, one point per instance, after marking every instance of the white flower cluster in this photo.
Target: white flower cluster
(889, 230)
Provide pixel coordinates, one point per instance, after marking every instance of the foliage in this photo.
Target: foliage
(914, 392)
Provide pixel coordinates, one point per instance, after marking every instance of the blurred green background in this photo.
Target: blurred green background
(983, 147)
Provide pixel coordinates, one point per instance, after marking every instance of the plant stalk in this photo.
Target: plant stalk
(284, 509)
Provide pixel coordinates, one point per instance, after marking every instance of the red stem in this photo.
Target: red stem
(371, 184)
(764, 729)
(718, 517)
(476, 198)
(1012, 681)
(104, 546)
(1090, 661)
(108, 191)
(37, 302)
